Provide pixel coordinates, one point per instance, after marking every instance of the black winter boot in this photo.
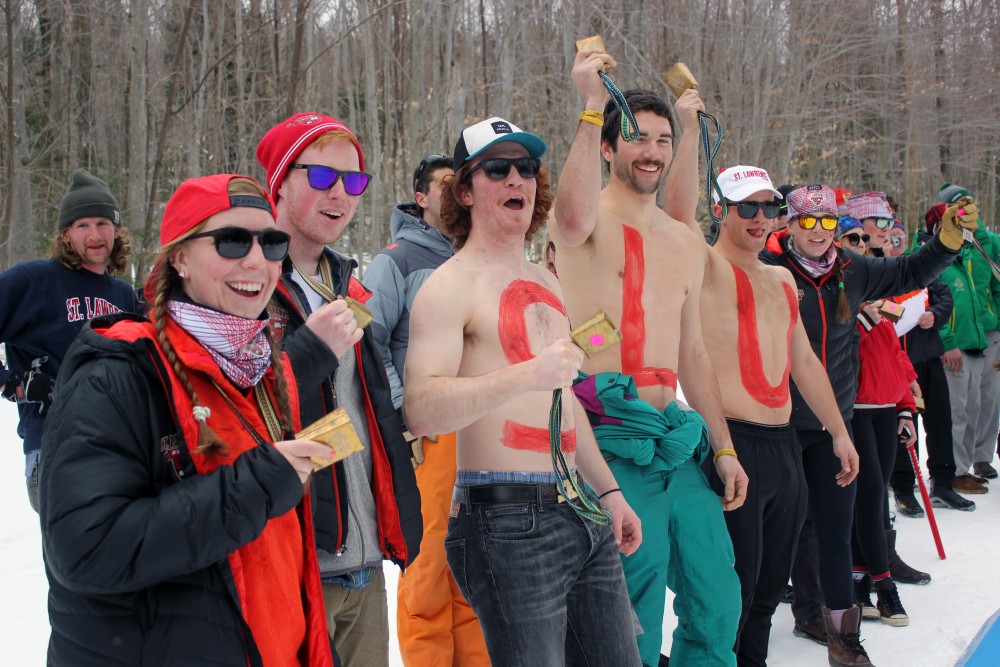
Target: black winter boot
(900, 571)
(863, 598)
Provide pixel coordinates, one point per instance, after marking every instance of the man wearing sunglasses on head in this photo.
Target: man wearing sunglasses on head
(872, 209)
(530, 547)
(753, 333)
(833, 283)
(366, 507)
(434, 623)
(618, 251)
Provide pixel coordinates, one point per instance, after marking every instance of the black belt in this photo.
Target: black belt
(510, 493)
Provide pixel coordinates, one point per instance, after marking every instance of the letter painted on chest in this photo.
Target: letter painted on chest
(748, 344)
(512, 327)
(633, 326)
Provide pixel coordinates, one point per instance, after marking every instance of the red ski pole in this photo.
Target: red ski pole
(927, 499)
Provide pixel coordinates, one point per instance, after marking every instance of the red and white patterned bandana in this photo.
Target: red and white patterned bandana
(237, 344)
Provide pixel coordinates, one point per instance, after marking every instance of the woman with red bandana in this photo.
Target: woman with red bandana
(174, 523)
(832, 285)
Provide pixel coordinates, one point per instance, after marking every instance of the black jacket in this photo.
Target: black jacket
(836, 343)
(137, 562)
(924, 344)
(394, 485)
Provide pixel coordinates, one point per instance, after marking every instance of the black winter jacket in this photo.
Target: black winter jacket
(137, 562)
(836, 343)
(924, 344)
(394, 485)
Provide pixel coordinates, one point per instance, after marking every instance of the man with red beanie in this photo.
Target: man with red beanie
(367, 507)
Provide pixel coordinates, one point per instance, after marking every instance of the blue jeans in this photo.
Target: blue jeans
(546, 585)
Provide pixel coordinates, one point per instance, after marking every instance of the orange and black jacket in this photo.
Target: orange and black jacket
(865, 279)
(154, 551)
(394, 485)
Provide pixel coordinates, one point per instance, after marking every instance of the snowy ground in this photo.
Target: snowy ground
(944, 616)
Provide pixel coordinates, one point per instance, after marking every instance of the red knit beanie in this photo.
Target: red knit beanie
(285, 141)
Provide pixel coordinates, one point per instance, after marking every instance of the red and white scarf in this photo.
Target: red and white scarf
(237, 344)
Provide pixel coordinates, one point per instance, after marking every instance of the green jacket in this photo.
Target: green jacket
(976, 292)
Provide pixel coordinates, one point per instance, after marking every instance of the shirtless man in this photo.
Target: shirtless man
(617, 251)
(489, 342)
(749, 318)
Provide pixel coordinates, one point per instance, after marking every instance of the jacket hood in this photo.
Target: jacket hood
(405, 225)
(94, 343)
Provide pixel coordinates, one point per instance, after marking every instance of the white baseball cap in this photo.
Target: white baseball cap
(477, 138)
(739, 182)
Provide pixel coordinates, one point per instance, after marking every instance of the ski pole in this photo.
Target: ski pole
(911, 448)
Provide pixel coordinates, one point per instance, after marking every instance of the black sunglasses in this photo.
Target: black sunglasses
(235, 242)
(498, 168)
(322, 177)
(857, 239)
(426, 162)
(748, 209)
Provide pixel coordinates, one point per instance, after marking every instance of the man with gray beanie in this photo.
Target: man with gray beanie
(45, 303)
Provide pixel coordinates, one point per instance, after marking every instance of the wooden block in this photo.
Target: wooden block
(593, 43)
(891, 311)
(336, 432)
(679, 78)
(596, 334)
(360, 310)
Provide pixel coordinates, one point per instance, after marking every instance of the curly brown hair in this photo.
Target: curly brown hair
(457, 220)
(121, 253)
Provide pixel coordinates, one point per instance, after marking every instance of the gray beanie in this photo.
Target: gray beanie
(88, 196)
(951, 193)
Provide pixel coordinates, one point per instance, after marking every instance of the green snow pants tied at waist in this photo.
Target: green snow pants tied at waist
(655, 458)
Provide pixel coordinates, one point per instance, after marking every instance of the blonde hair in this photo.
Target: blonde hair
(164, 282)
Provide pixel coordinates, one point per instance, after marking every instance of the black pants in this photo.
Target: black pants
(937, 423)
(764, 530)
(876, 439)
(831, 514)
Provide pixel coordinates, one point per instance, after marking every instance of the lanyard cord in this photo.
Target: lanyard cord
(324, 286)
(711, 182)
(577, 498)
(274, 426)
(629, 128)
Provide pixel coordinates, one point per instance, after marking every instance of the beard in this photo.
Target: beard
(627, 176)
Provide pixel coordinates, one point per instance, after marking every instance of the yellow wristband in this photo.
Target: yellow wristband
(723, 452)
(592, 117)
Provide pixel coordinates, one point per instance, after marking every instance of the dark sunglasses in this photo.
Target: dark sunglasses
(748, 209)
(322, 177)
(497, 168)
(235, 242)
(857, 239)
(883, 223)
(426, 162)
(827, 222)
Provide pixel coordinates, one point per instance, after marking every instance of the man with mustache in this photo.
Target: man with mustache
(45, 303)
(617, 251)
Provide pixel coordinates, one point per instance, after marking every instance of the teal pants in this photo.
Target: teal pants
(685, 545)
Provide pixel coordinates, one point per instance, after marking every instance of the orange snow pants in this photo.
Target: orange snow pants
(435, 625)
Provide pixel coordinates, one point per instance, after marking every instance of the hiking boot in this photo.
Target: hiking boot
(788, 597)
(863, 598)
(907, 505)
(900, 571)
(812, 629)
(942, 496)
(844, 648)
(889, 607)
(984, 470)
(968, 485)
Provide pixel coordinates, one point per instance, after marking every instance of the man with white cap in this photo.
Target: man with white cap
(753, 333)
(531, 550)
